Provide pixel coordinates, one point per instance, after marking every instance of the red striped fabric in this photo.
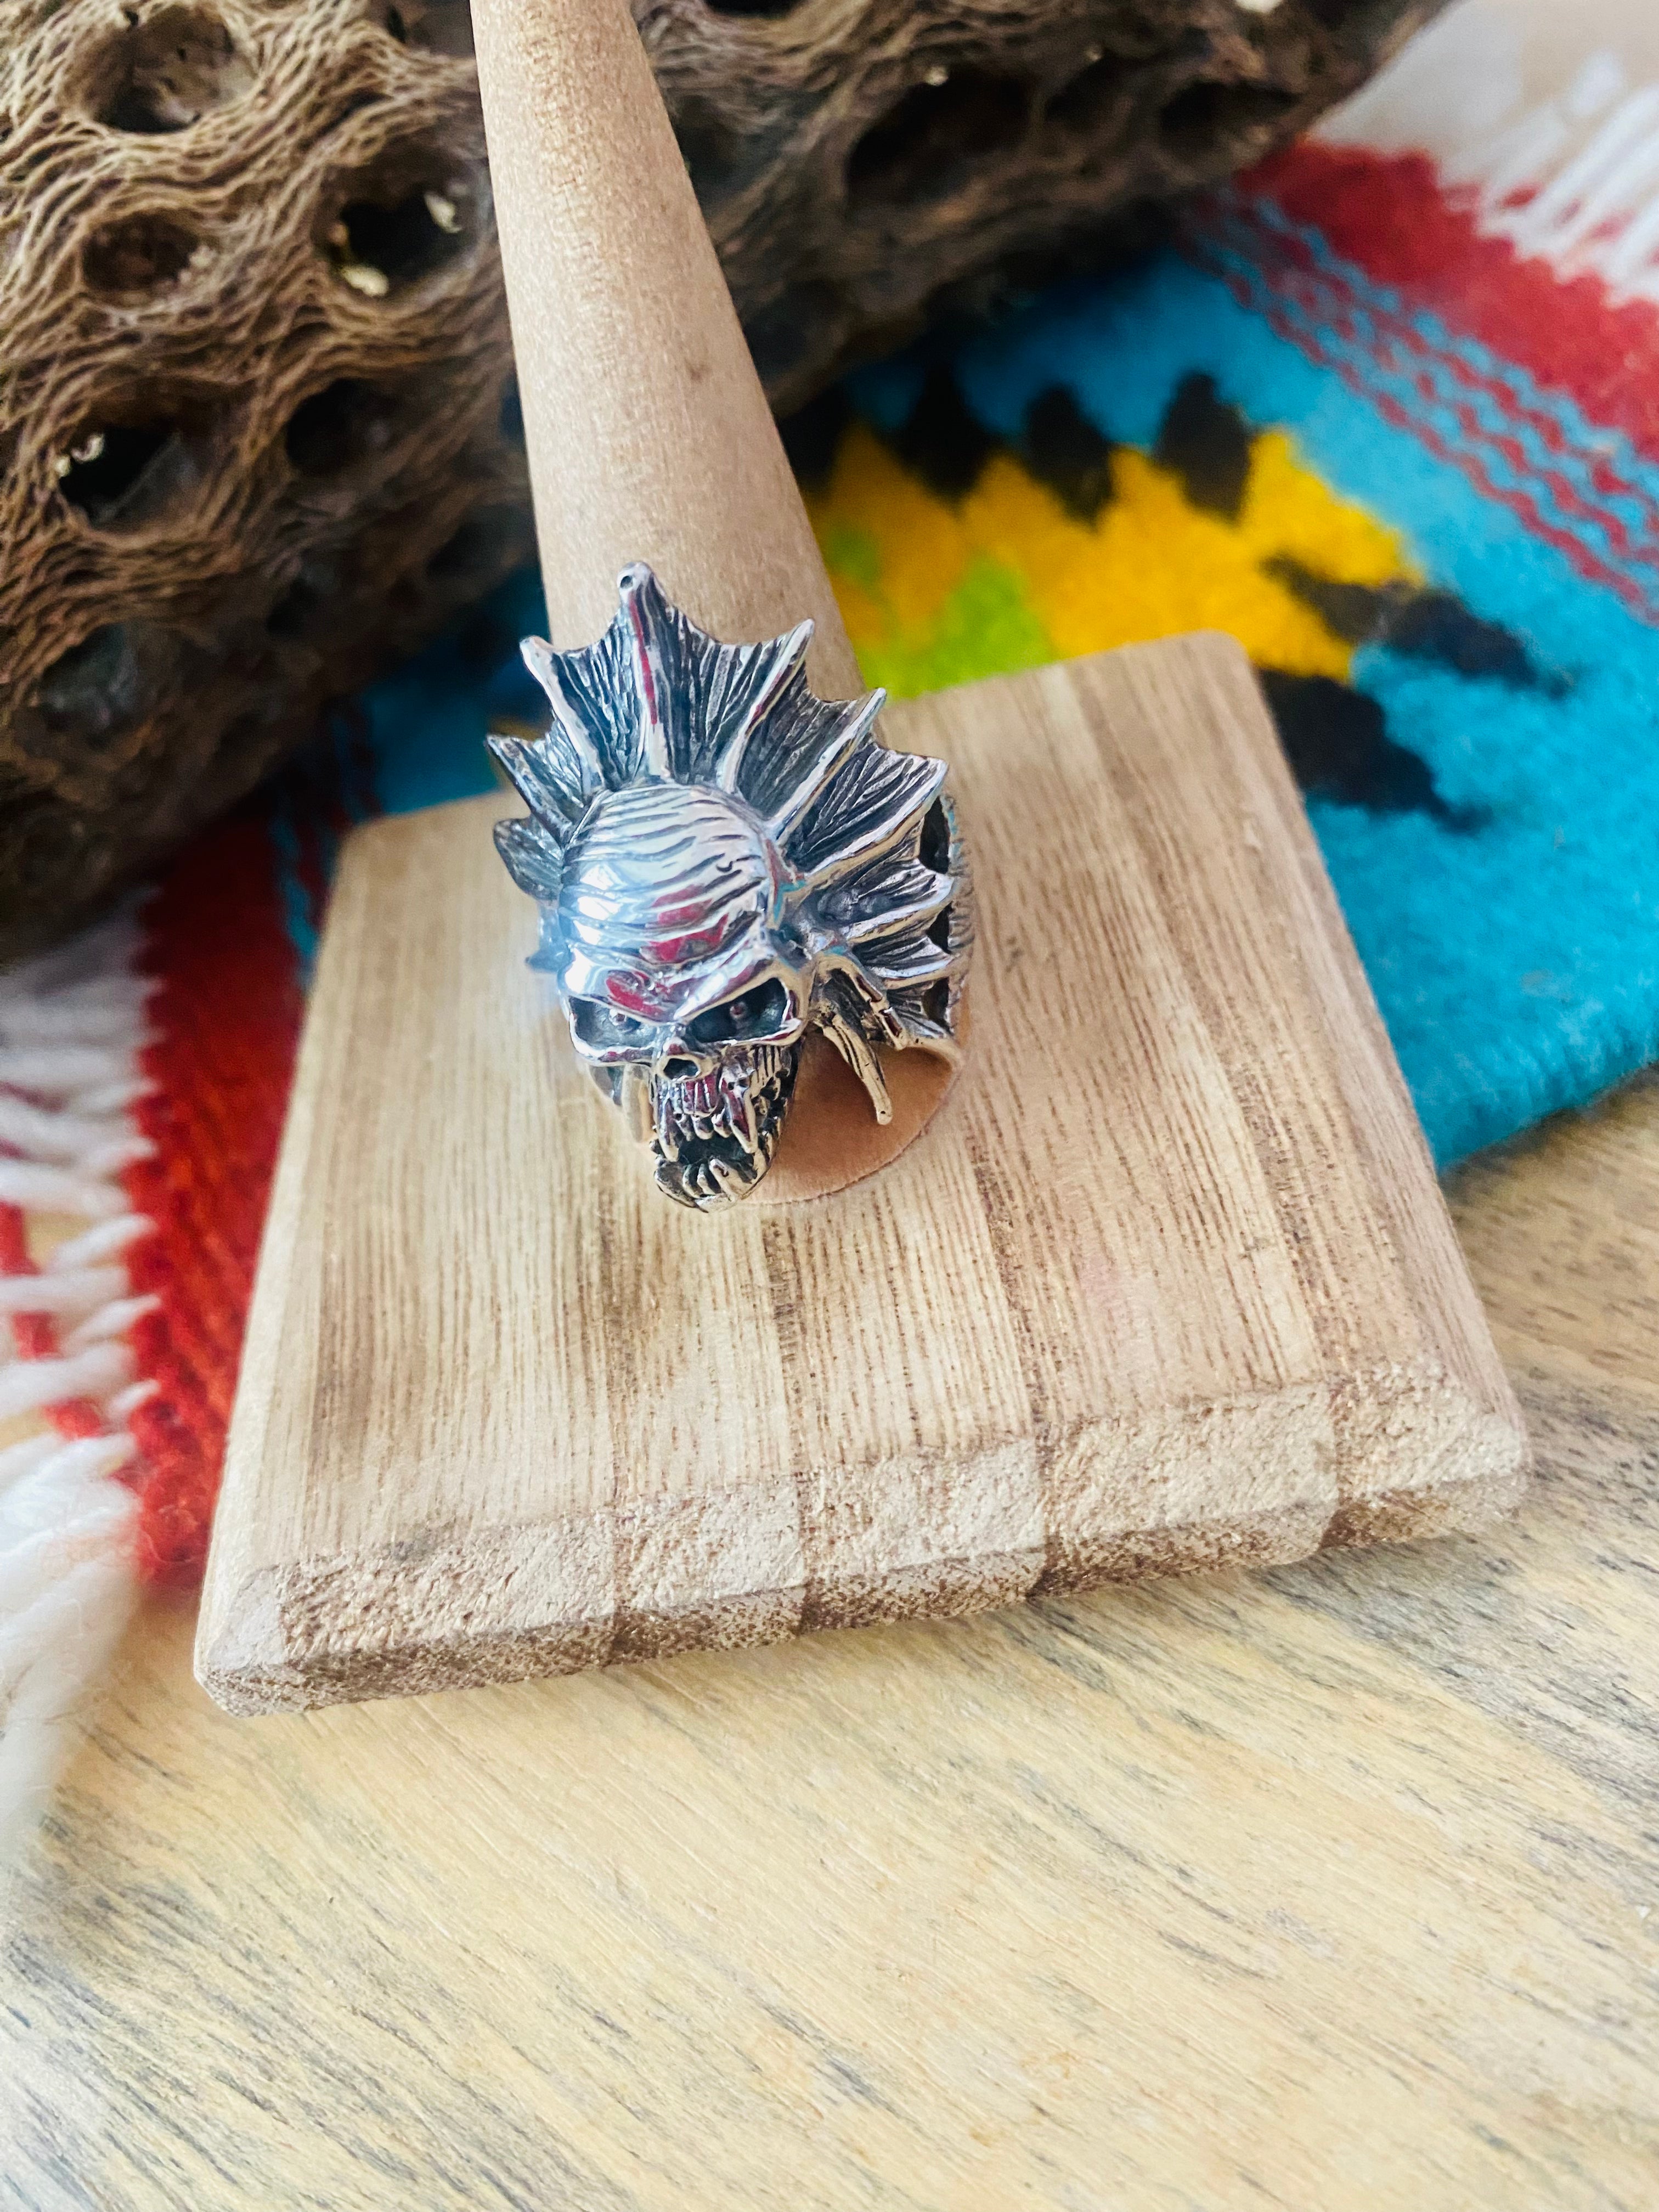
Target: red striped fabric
(1390, 216)
(225, 1017)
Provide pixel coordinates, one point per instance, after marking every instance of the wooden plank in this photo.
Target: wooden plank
(1166, 1281)
(1331, 1886)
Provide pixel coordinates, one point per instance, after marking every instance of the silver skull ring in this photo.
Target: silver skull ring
(721, 862)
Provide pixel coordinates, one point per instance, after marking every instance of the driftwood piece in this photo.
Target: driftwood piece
(258, 435)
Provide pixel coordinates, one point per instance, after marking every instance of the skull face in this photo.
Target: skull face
(686, 995)
(722, 860)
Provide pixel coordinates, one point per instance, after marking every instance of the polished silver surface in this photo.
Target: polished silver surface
(722, 861)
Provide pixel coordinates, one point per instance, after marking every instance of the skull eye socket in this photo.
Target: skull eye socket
(603, 1028)
(752, 1014)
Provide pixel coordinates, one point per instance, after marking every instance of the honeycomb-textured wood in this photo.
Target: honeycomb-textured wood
(256, 432)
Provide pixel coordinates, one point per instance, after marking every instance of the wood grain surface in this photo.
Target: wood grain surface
(1166, 1281)
(1332, 1887)
(649, 436)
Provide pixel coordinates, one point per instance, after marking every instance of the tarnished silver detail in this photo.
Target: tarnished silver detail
(722, 861)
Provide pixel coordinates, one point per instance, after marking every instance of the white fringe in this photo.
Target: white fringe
(67, 1587)
(1530, 111)
(71, 1024)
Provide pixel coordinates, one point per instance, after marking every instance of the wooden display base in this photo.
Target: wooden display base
(1166, 1283)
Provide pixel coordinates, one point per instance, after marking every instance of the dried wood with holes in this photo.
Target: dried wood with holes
(1166, 1282)
(257, 431)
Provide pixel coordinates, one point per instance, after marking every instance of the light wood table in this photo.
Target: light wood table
(1333, 1888)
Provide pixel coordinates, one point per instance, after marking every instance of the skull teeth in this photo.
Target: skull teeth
(735, 1115)
(735, 1106)
(668, 1124)
(731, 1183)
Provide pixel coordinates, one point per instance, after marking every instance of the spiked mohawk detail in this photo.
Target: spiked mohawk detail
(722, 860)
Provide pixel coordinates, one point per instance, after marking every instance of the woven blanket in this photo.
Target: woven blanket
(1388, 409)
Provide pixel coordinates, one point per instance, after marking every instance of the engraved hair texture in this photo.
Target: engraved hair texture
(721, 861)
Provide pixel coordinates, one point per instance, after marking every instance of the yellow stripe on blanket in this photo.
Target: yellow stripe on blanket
(936, 592)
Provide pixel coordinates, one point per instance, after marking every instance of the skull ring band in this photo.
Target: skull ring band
(722, 862)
